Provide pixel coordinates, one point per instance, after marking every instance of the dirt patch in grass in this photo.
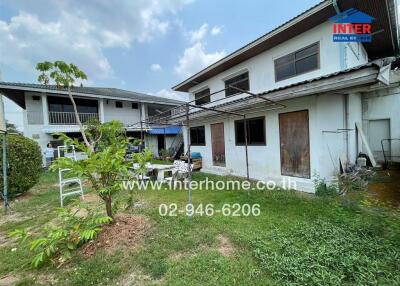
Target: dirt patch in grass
(12, 217)
(137, 278)
(5, 239)
(91, 198)
(225, 246)
(8, 280)
(126, 231)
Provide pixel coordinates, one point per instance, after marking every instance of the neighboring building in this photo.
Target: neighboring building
(324, 87)
(48, 109)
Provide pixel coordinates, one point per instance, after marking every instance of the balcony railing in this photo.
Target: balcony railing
(68, 118)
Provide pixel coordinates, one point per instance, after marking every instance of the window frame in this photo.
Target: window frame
(117, 102)
(201, 91)
(191, 138)
(239, 81)
(135, 104)
(318, 53)
(264, 143)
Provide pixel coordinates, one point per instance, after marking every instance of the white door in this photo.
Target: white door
(378, 130)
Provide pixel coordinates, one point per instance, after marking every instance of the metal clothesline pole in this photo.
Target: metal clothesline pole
(141, 127)
(187, 107)
(246, 142)
(3, 129)
(5, 190)
(188, 156)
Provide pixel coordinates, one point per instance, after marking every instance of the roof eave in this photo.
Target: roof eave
(341, 82)
(41, 90)
(182, 86)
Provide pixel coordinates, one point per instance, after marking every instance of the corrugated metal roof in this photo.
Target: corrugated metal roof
(102, 91)
(251, 97)
(370, 64)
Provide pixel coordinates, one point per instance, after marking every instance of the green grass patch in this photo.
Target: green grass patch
(296, 240)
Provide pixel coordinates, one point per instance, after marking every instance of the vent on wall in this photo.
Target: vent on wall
(36, 97)
(135, 105)
(118, 104)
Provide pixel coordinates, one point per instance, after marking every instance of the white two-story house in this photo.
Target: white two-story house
(311, 104)
(48, 110)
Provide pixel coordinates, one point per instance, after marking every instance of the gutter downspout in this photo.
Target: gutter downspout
(342, 47)
(343, 66)
(346, 125)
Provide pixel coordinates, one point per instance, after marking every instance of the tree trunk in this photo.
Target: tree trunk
(78, 120)
(109, 207)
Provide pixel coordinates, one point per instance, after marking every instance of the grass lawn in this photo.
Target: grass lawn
(296, 240)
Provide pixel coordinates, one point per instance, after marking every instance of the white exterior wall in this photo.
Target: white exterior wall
(34, 109)
(325, 114)
(384, 104)
(38, 112)
(261, 67)
(152, 142)
(354, 115)
(126, 114)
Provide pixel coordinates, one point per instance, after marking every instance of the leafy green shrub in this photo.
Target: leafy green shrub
(24, 164)
(323, 189)
(56, 243)
(322, 253)
(105, 166)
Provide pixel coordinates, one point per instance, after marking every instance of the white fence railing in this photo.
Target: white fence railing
(65, 118)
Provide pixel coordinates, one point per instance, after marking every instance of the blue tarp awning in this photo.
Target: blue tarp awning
(168, 130)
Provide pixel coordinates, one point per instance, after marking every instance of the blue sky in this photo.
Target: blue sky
(141, 45)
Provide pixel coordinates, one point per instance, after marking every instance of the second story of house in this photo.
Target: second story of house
(298, 50)
(51, 109)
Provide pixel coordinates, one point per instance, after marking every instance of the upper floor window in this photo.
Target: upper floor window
(255, 131)
(118, 104)
(241, 81)
(64, 104)
(135, 105)
(198, 136)
(202, 97)
(301, 61)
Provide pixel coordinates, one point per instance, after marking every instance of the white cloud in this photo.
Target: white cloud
(216, 30)
(156, 67)
(78, 31)
(195, 58)
(173, 95)
(198, 35)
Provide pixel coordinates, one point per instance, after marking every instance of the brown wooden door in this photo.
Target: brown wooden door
(295, 144)
(218, 144)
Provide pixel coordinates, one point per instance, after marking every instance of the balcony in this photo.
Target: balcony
(68, 118)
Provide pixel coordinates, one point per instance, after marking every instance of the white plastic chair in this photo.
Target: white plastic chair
(140, 177)
(179, 171)
(68, 186)
(174, 171)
